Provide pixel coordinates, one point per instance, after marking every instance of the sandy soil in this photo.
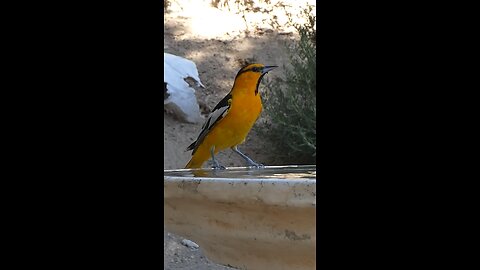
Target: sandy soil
(220, 42)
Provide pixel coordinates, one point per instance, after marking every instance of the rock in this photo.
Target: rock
(165, 94)
(189, 244)
(180, 78)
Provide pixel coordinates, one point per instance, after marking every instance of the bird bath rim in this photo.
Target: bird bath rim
(254, 223)
(265, 174)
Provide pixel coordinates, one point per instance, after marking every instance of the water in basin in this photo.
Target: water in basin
(267, 172)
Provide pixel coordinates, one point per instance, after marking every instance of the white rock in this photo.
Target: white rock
(181, 96)
(189, 244)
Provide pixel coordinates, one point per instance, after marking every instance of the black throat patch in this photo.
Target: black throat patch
(258, 83)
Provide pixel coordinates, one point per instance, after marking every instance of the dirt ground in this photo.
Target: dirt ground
(220, 42)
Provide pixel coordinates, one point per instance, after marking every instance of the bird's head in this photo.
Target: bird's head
(252, 74)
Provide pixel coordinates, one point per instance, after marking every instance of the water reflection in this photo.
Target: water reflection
(281, 172)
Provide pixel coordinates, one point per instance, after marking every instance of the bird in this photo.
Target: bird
(231, 120)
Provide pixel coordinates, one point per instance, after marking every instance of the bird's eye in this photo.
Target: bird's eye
(256, 69)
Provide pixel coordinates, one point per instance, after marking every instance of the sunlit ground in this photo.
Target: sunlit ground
(205, 21)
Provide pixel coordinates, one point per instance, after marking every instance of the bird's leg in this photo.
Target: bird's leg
(216, 165)
(250, 162)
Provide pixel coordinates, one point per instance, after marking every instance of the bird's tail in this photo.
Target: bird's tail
(198, 159)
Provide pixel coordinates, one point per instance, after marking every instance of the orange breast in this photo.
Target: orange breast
(235, 126)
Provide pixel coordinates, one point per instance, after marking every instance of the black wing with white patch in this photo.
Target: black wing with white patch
(217, 114)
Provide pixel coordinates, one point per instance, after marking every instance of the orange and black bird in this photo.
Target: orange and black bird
(231, 120)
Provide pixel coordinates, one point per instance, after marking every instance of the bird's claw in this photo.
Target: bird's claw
(256, 166)
(218, 167)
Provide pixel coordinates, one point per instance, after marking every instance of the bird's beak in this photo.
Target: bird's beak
(268, 68)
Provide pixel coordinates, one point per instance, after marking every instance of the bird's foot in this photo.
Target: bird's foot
(254, 165)
(218, 167)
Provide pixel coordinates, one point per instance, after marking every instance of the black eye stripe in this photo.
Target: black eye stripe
(254, 69)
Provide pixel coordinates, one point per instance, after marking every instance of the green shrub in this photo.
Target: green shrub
(290, 105)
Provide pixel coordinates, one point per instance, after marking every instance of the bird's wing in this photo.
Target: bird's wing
(217, 114)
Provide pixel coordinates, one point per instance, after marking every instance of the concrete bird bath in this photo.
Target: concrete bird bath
(253, 219)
